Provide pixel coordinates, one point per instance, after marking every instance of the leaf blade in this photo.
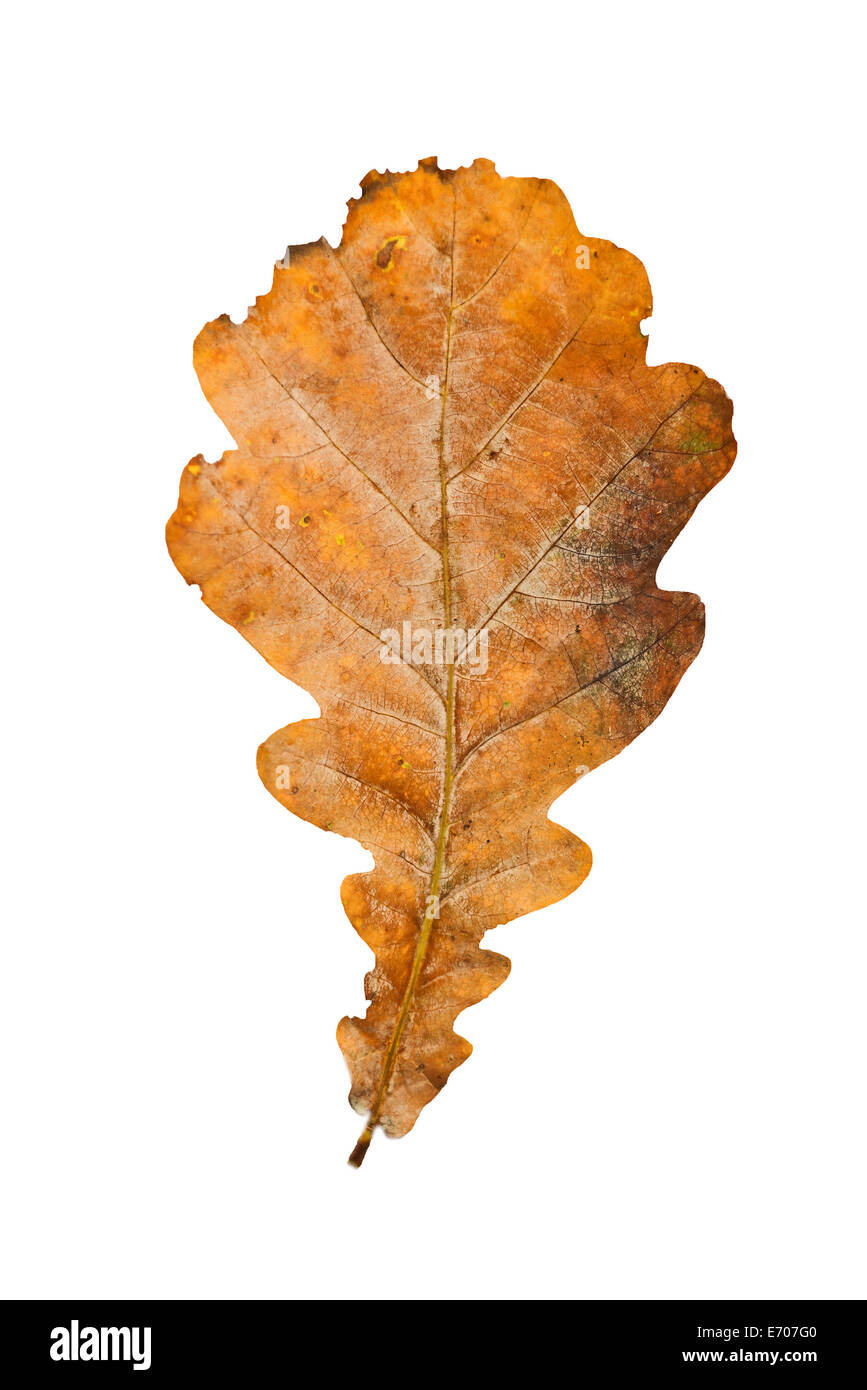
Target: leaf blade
(459, 423)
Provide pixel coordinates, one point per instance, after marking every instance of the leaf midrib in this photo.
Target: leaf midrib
(426, 926)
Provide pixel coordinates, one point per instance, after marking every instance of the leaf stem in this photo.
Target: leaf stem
(356, 1158)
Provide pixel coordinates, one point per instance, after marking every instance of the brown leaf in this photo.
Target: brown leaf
(448, 424)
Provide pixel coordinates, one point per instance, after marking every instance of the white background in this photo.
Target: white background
(666, 1097)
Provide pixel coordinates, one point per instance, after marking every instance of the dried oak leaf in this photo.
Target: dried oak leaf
(448, 423)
